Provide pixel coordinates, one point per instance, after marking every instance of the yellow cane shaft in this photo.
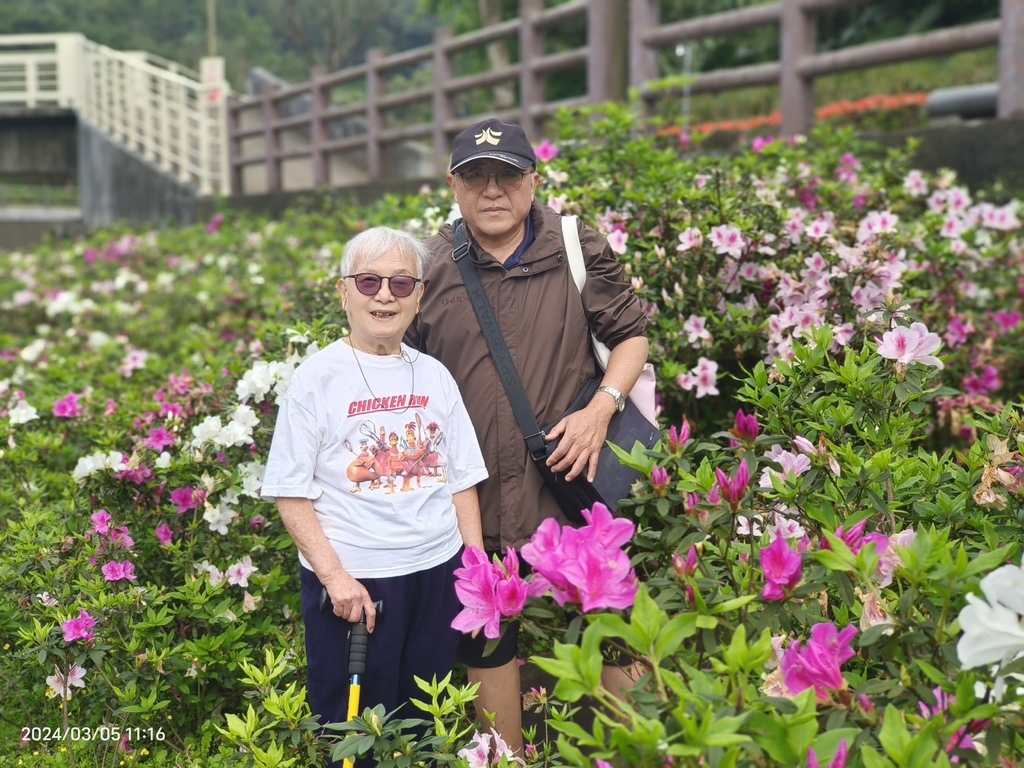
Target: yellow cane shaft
(353, 700)
(353, 711)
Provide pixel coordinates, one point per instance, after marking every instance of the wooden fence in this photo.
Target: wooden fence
(272, 148)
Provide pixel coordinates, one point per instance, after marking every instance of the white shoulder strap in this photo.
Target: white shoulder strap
(573, 249)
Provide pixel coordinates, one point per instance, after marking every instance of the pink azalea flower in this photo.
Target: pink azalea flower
(67, 407)
(685, 567)
(915, 184)
(985, 383)
(239, 573)
(782, 567)
(734, 489)
(660, 480)
(910, 345)
(704, 377)
(1006, 321)
(164, 534)
(159, 439)
(62, 684)
(546, 151)
(957, 331)
(758, 143)
(617, 240)
(139, 475)
(117, 571)
(838, 761)
(696, 330)
(690, 240)
(817, 664)
(110, 409)
(489, 591)
(727, 240)
(122, 539)
(746, 427)
(101, 522)
(678, 439)
(583, 565)
(187, 498)
(214, 223)
(80, 628)
(943, 701)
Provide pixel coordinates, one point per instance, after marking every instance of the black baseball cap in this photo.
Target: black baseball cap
(494, 140)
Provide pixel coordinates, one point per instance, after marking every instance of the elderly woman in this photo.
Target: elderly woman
(348, 468)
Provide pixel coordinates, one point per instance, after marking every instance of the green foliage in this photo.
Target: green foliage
(193, 330)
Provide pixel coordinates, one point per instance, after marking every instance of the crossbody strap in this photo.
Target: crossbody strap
(496, 344)
(573, 249)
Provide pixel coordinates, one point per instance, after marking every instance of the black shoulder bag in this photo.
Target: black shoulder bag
(613, 480)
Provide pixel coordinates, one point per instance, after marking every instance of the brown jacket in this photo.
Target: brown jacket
(542, 319)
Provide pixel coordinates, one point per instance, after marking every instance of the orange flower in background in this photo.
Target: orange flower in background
(842, 108)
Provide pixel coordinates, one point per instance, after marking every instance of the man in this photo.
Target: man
(516, 247)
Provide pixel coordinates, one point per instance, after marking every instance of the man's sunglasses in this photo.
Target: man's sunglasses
(400, 286)
(509, 180)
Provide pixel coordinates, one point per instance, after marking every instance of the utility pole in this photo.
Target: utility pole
(211, 27)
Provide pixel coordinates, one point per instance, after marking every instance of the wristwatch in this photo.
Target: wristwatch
(620, 401)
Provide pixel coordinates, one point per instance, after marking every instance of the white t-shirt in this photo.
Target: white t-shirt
(380, 457)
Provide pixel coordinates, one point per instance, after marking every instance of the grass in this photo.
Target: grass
(37, 194)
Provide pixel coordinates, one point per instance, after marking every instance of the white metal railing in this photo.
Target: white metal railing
(41, 71)
(173, 117)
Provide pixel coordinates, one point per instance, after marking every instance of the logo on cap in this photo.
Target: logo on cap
(491, 137)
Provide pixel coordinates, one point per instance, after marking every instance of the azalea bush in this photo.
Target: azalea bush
(821, 564)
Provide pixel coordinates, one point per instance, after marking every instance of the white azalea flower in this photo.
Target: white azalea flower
(22, 413)
(993, 627)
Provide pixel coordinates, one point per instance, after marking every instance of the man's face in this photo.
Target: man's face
(495, 211)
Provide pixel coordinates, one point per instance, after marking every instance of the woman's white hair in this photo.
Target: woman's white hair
(368, 246)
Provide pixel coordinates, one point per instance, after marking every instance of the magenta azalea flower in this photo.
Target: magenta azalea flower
(910, 345)
(659, 479)
(746, 427)
(116, 571)
(489, 591)
(159, 439)
(546, 151)
(187, 498)
(816, 665)
(783, 568)
(67, 407)
(80, 628)
(678, 438)
(838, 761)
(733, 489)
(101, 522)
(164, 534)
(584, 565)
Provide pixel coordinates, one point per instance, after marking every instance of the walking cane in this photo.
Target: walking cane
(358, 640)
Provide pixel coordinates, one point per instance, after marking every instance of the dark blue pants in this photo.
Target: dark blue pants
(412, 638)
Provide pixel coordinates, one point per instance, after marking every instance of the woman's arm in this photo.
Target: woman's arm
(349, 597)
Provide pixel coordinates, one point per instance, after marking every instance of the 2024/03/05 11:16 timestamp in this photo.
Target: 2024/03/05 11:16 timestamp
(87, 733)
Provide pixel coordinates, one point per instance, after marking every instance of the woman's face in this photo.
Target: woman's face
(379, 321)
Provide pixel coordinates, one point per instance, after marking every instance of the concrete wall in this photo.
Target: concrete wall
(980, 151)
(117, 185)
(39, 146)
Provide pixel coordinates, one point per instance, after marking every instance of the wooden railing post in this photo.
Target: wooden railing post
(444, 70)
(1011, 58)
(317, 128)
(375, 88)
(796, 92)
(607, 21)
(531, 47)
(644, 16)
(270, 140)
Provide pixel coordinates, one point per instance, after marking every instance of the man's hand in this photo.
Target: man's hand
(350, 599)
(582, 438)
